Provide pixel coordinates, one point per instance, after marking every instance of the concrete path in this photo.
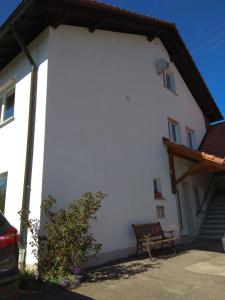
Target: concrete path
(193, 274)
(197, 272)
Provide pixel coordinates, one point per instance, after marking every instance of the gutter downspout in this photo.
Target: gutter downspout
(30, 146)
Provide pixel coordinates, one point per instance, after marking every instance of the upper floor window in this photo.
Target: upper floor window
(169, 80)
(190, 138)
(7, 101)
(174, 131)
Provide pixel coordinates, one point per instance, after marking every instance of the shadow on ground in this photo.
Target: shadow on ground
(60, 295)
(115, 272)
(118, 270)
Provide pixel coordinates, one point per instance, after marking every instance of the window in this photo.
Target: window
(190, 138)
(157, 188)
(160, 213)
(3, 184)
(169, 81)
(7, 100)
(174, 131)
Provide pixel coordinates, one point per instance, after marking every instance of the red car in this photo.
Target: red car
(9, 253)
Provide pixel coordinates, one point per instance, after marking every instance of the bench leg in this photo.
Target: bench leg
(149, 252)
(174, 247)
(161, 247)
(137, 250)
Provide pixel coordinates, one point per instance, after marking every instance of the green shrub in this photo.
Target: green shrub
(67, 243)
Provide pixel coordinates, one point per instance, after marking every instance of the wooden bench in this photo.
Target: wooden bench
(148, 235)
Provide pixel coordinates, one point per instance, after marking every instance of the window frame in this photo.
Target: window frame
(4, 95)
(192, 132)
(168, 74)
(177, 131)
(157, 188)
(160, 211)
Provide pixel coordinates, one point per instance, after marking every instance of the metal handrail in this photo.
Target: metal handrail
(205, 196)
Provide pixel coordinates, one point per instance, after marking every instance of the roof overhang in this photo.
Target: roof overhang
(33, 16)
(203, 162)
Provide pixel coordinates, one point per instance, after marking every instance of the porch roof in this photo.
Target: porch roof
(203, 162)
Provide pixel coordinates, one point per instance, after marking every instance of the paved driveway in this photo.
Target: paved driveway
(197, 272)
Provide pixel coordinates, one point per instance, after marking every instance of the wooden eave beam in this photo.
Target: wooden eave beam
(97, 25)
(151, 37)
(176, 56)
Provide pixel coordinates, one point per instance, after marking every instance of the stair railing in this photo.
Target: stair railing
(205, 196)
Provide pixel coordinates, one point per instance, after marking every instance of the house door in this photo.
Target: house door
(184, 210)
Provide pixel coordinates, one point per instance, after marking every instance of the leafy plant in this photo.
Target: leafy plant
(67, 243)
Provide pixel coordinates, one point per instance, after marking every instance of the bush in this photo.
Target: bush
(67, 243)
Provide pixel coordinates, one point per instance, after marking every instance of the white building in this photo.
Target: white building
(101, 112)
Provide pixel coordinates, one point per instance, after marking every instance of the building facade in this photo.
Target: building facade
(102, 109)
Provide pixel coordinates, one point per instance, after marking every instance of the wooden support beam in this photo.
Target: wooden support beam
(172, 173)
(190, 172)
(97, 25)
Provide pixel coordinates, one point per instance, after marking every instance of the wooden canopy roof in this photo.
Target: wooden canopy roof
(203, 162)
(33, 16)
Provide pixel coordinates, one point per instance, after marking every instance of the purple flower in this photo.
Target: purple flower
(78, 271)
(64, 283)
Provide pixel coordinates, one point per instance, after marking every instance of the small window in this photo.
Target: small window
(160, 213)
(190, 138)
(174, 131)
(7, 101)
(157, 188)
(3, 184)
(169, 81)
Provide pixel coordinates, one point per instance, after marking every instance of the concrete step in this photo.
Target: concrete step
(212, 232)
(216, 208)
(214, 222)
(209, 237)
(217, 204)
(219, 227)
(216, 214)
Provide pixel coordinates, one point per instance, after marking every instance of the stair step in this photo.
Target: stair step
(216, 209)
(214, 221)
(209, 237)
(216, 214)
(219, 227)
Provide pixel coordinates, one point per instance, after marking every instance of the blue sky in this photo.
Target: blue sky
(201, 24)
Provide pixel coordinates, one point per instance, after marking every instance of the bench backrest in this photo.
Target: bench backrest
(152, 229)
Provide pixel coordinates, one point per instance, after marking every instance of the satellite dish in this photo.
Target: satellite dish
(161, 65)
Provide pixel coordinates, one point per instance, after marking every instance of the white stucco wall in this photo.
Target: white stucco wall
(107, 111)
(13, 136)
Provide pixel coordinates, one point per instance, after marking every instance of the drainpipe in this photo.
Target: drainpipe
(30, 145)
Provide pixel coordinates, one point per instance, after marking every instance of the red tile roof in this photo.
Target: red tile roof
(214, 141)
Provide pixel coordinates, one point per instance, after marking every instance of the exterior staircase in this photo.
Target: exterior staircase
(213, 227)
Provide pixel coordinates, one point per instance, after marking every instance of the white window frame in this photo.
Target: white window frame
(191, 132)
(171, 86)
(160, 212)
(176, 125)
(3, 97)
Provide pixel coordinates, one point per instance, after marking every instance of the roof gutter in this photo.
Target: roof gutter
(30, 144)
